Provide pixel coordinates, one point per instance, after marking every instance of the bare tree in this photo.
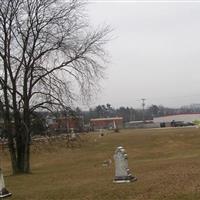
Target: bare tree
(47, 53)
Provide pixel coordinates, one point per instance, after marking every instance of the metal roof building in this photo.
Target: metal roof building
(178, 117)
(104, 123)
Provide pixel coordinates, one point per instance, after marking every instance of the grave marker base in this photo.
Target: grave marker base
(127, 179)
(4, 193)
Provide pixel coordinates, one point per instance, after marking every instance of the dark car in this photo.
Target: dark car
(181, 123)
(178, 123)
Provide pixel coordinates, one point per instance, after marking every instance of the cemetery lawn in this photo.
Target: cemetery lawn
(165, 161)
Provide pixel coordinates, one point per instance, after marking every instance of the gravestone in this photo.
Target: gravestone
(122, 172)
(73, 134)
(3, 191)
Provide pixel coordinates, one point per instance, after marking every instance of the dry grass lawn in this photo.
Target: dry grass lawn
(165, 161)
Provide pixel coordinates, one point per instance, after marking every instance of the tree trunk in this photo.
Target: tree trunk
(23, 151)
(20, 149)
(22, 127)
(27, 143)
(12, 151)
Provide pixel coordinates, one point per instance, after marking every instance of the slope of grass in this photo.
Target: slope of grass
(165, 161)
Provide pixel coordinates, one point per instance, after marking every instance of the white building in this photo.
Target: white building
(178, 117)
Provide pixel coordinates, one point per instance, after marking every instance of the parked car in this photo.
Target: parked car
(181, 123)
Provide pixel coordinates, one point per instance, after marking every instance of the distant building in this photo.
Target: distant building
(106, 123)
(178, 120)
(64, 124)
(178, 117)
(141, 124)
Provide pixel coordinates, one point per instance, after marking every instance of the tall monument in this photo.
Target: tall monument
(122, 172)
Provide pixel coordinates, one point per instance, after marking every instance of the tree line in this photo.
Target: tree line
(135, 114)
(39, 123)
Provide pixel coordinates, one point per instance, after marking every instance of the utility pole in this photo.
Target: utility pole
(143, 105)
(131, 115)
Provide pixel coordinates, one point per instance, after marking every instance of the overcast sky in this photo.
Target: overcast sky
(155, 53)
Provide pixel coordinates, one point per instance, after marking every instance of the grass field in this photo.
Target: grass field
(165, 161)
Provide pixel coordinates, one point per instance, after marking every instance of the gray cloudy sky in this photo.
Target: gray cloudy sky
(155, 53)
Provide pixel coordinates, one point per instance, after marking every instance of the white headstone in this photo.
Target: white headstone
(3, 191)
(73, 134)
(122, 172)
(114, 125)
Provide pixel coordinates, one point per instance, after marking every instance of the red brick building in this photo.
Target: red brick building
(106, 123)
(64, 124)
